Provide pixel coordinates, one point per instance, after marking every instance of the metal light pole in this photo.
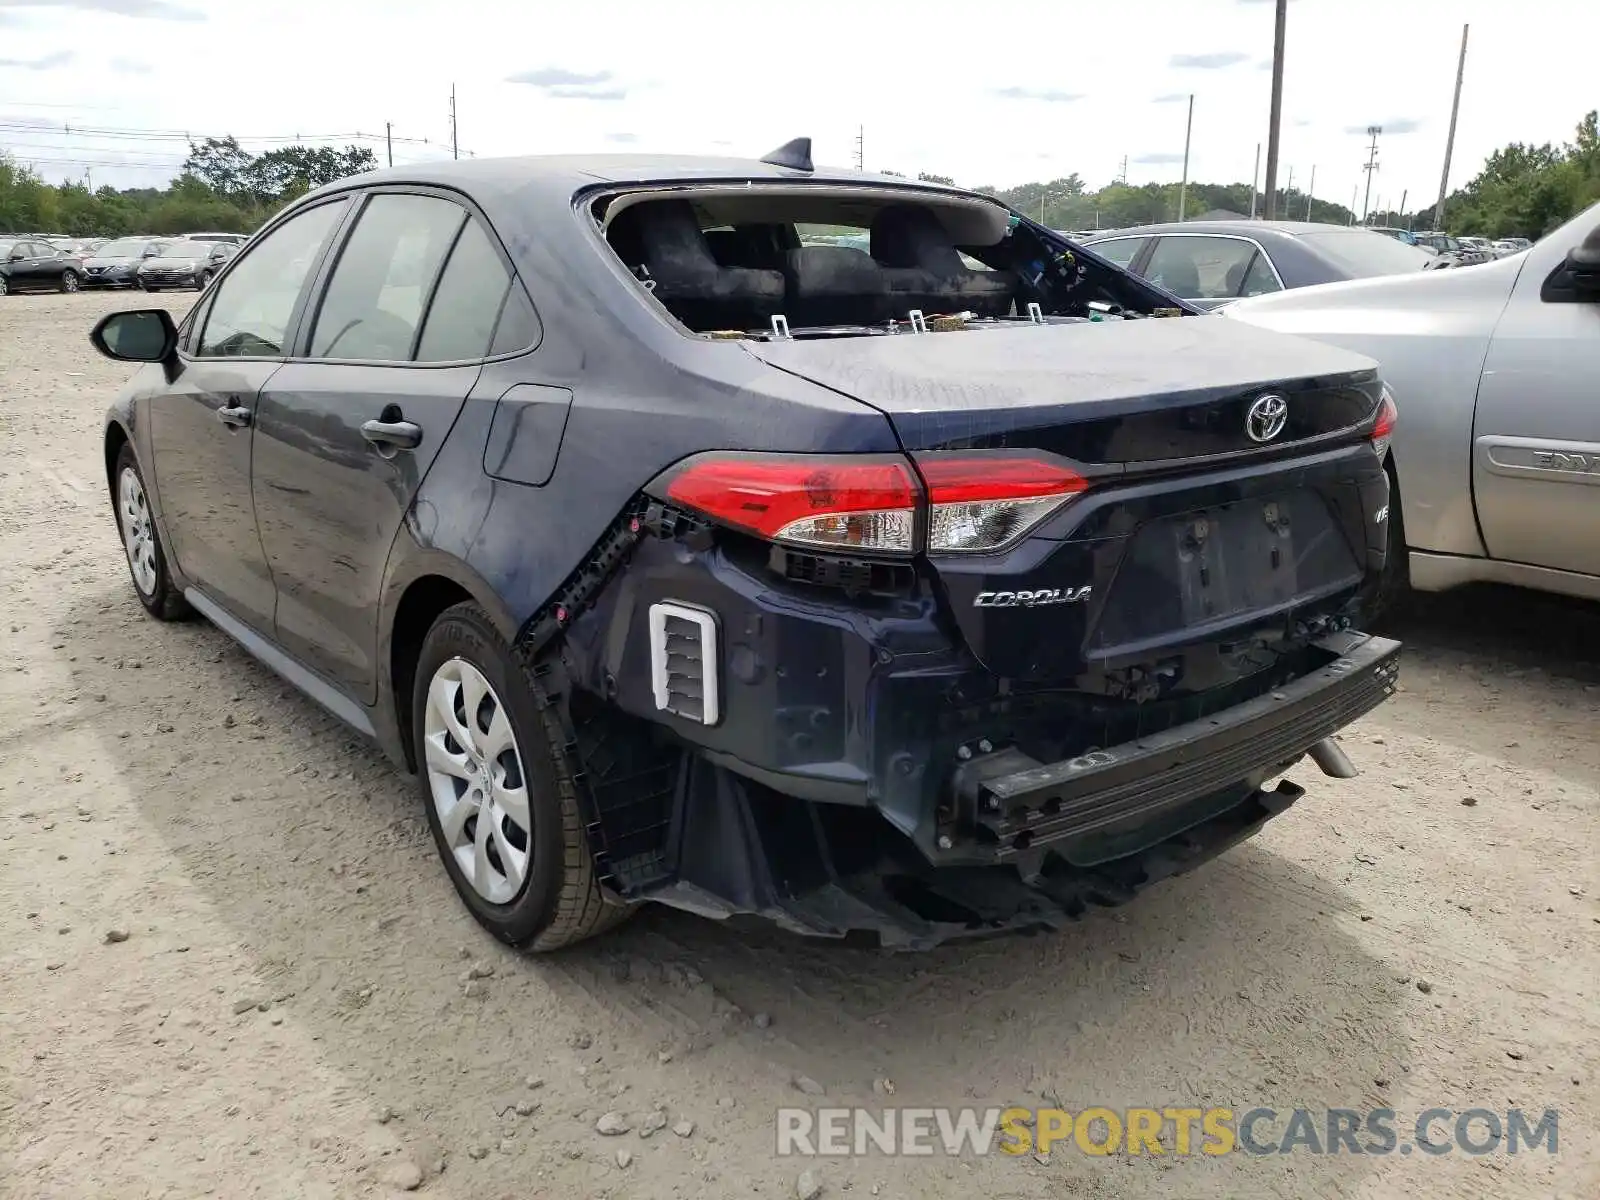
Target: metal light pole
(1277, 108)
(1310, 190)
(1255, 182)
(1354, 192)
(1450, 141)
(1404, 192)
(1188, 129)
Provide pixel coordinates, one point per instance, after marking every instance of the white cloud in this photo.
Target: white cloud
(726, 76)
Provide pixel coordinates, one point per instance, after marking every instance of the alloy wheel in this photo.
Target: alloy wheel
(69, 282)
(475, 777)
(138, 537)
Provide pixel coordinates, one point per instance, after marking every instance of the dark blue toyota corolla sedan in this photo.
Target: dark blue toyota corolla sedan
(760, 539)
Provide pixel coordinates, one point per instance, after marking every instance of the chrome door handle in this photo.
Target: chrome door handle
(404, 435)
(236, 416)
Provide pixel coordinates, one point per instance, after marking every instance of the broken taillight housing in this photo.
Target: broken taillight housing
(1388, 414)
(871, 503)
(980, 502)
(841, 502)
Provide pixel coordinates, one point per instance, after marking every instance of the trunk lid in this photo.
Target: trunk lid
(1098, 392)
(1196, 544)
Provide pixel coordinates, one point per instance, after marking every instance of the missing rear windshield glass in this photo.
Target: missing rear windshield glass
(835, 261)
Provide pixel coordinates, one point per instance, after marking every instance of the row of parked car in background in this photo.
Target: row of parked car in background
(31, 262)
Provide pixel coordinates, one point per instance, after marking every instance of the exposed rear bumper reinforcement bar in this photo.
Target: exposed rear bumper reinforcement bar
(1017, 805)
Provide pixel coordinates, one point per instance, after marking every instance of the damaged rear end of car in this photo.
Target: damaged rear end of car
(1055, 647)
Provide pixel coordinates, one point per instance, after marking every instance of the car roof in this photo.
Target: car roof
(576, 171)
(517, 194)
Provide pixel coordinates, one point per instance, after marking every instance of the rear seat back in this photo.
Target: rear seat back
(924, 270)
(664, 237)
(835, 285)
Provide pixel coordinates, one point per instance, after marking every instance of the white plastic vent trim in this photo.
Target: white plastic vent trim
(705, 623)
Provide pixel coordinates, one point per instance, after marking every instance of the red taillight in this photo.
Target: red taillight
(1388, 415)
(860, 502)
(975, 501)
(979, 502)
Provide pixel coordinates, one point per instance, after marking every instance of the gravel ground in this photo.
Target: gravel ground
(287, 1015)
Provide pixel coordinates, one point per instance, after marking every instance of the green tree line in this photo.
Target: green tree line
(1523, 190)
(220, 187)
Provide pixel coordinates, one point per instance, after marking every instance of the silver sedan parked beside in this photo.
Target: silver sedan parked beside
(1496, 372)
(1213, 263)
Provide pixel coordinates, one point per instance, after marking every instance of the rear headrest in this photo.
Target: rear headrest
(910, 235)
(663, 235)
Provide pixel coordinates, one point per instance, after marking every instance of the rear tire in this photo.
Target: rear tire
(485, 772)
(141, 541)
(1394, 585)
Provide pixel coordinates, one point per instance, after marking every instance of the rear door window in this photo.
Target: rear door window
(373, 304)
(1200, 268)
(467, 302)
(1260, 278)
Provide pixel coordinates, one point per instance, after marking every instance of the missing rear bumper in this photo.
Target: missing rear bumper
(1086, 807)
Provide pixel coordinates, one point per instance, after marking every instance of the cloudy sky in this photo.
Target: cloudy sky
(987, 93)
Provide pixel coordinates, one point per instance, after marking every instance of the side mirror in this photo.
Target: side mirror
(17, 256)
(150, 252)
(143, 335)
(1583, 265)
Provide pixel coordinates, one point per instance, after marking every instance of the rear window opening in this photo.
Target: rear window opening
(819, 260)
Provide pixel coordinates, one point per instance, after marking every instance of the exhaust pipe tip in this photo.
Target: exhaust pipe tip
(1329, 756)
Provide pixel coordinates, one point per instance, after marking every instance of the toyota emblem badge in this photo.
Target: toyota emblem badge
(1266, 417)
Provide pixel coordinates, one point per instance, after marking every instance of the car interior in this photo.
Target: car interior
(844, 261)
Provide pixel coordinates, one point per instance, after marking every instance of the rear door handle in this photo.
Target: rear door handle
(236, 416)
(405, 435)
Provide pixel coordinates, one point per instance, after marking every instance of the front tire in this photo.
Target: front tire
(5, 286)
(498, 788)
(201, 280)
(69, 281)
(141, 542)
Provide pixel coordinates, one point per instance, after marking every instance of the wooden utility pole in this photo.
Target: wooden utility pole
(455, 148)
(1369, 167)
(1271, 197)
(388, 141)
(1450, 140)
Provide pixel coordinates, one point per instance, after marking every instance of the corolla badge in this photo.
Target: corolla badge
(1032, 599)
(1266, 417)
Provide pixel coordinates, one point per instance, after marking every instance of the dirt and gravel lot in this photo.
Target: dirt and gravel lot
(288, 1015)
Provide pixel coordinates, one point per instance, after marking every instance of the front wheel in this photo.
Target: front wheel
(499, 791)
(69, 281)
(201, 280)
(5, 285)
(141, 542)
